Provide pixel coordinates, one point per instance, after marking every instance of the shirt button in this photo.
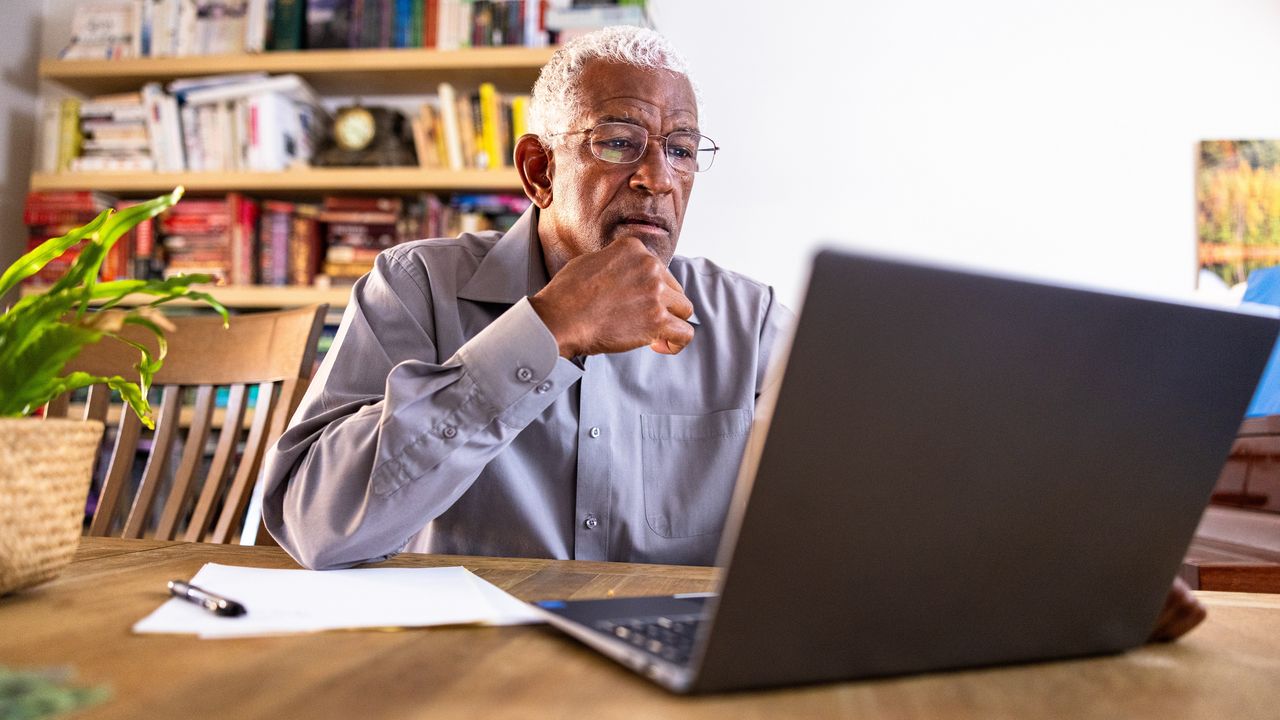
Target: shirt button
(449, 431)
(591, 522)
(595, 432)
(544, 387)
(524, 374)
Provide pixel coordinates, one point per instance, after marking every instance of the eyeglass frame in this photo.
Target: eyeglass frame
(714, 147)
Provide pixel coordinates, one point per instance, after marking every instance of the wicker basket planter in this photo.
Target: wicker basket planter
(45, 469)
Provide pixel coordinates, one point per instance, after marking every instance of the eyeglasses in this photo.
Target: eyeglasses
(624, 143)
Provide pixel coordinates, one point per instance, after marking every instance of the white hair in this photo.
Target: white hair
(556, 102)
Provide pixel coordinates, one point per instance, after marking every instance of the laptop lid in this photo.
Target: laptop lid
(965, 470)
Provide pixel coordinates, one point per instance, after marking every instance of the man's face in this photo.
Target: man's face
(594, 202)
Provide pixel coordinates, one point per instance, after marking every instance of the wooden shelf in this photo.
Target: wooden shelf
(251, 297)
(370, 72)
(305, 180)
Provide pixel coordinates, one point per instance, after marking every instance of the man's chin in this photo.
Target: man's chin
(658, 241)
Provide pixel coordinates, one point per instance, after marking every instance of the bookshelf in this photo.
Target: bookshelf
(307, 180)
(332, 73)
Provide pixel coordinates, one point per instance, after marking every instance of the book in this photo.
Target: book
(449, 126)
(365, 204)
(467, 132)
(489, 130)
(256, 30)
(288, 21)
(105, 30)
(277, 220)
(289, 85)
(69, 136)
(304, 245)
(328, 23)
(220, 27)
(519, 116)
(240, 219)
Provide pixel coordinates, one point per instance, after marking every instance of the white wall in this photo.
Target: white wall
(1050, 138)
(18, 110)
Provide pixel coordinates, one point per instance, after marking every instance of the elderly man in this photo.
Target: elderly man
(568, 389)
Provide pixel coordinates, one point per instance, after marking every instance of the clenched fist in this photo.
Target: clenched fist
(614, 300)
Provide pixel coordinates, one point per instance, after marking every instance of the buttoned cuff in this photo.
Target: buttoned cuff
(511, 357)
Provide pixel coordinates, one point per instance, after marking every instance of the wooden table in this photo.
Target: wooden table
(1229, 668)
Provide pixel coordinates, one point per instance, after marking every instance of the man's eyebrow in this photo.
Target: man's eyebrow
(632, 121)
(617, 119)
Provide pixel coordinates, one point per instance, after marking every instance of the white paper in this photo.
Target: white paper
(292, 601)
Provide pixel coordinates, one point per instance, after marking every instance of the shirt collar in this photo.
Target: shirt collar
(515, 267)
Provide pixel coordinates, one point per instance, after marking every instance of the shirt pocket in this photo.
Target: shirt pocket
(690, 464)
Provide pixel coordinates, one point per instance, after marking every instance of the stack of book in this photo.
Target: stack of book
(50, 214)
(247, 122)
(357, 229)
(114, 135)
(217, 237)
(564, 23)
(478, 130)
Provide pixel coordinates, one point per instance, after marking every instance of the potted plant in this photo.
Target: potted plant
(46, 465)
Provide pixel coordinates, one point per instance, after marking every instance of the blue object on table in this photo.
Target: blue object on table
(1264, 288)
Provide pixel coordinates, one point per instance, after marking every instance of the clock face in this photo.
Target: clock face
(353, 129)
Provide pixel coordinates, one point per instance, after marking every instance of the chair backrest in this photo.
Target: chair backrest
(266, 354)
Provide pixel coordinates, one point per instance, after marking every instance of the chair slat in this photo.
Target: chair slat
(157, 461)
(254, 531)
(99, 403)
(118, 472)
(192, 455)
(237, 498)
(228, 437)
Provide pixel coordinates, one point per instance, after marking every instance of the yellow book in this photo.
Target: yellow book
(519, 116)
(489, 126)
(69, 137)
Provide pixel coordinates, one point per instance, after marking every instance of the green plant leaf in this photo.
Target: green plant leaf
(36, 259)
(41, 332)
(129, 391)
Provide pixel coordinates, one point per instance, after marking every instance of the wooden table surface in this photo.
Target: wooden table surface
(1229, 668)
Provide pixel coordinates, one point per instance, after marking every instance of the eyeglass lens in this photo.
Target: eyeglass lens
(626, 143)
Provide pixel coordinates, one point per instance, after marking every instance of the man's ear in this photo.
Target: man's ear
(536, 166)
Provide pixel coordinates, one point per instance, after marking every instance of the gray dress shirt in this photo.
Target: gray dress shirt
(444, 420)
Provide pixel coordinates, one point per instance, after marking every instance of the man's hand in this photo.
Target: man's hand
(617, 299)
(1181, 612)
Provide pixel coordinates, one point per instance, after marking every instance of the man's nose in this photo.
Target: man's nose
(653, 173)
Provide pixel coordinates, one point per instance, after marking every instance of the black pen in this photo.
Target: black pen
(205, 599)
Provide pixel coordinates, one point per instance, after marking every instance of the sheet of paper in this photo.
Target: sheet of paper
(292, 601)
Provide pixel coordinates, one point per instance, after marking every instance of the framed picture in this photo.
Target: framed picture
(1237, 208)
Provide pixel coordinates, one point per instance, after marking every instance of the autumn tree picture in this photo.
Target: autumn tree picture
(1238, 207)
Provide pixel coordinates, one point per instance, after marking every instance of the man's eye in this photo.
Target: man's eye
(681, 152)
(616, 143)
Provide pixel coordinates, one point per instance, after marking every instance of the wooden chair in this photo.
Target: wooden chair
(272, 351)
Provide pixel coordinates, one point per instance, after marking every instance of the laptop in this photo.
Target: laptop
(958, 470)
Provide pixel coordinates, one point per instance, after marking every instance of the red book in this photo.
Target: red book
(391, 205)
(359, 217)
(430, 23)
(243, 212)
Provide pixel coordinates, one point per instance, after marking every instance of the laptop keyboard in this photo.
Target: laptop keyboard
(668, 637)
